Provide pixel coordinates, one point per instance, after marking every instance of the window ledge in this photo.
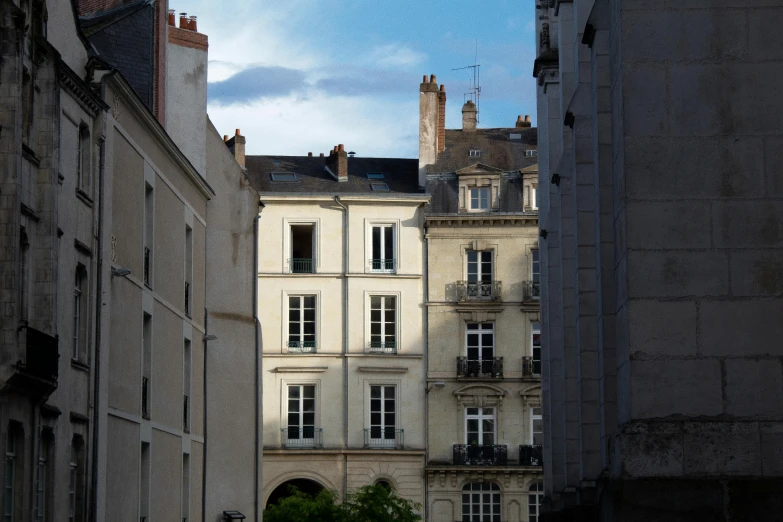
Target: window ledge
(78, 365)
(84, 197)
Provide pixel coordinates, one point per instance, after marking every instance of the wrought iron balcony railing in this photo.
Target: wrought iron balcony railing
(480, 368)
(383, 265)
(147, 259)
(531, 290)
(382, 347)
(480, 455)
(531, 367)
(479, 291)
(302, 437)
(301, 346)
(384, 438)
(531, 455)
(301, 265)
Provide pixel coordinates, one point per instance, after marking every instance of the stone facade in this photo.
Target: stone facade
(662, 380)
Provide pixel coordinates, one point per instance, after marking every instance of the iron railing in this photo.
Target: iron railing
(383, 265)
(185, 414)
(480, 368)
(480, 455)
(145, 407)
(187, 297)
(531, 290)
(384, 438)
(301, 346)
(302, 437)
(301, 265)
(147, 256)
(531, 366)
(382, 347)
(479, 291)
(531, 455)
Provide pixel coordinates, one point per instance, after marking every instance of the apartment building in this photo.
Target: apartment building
(341, 288)
(659, 136)
(483, 406)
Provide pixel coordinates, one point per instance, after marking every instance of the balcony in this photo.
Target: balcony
(301, 346)
(307, 437)
(480, 368)
(39, 371)
(531, 367)
(384, 438)
(301, 265)
(531, 455)
(480, 455)
(389, 347)
(531, 290)
(478, 291)
(384, 266)
(147, 256)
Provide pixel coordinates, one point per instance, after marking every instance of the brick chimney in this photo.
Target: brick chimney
(237, 147)
(469, 116)
(337, 163)
(428, 125)
(523, 123)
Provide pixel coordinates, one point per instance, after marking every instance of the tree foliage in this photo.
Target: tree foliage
(366, 504)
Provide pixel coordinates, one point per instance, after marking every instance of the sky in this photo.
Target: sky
(299, 76)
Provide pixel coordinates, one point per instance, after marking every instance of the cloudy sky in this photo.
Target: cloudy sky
(301, 76)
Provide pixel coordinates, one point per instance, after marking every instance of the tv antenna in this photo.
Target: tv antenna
(474, 90)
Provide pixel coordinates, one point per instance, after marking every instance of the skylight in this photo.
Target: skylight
(375, 175)
(379, 187)
(283, 176)
(531, 153)
(475, 153)
(513, 136)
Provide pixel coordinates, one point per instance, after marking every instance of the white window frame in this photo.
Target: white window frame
(480, 331)
(479, 266)
(534, 498)
(534, 197)
(382, 267)
(368, 322)
(533, 330)
(536, 417)
(287, 321)
(383, 441)
(479, 191)
(478, 491)
(481, 416)
(474, 153)
(287, 252)
(301, 441)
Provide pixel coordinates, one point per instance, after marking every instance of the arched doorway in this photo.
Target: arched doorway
(307, 486)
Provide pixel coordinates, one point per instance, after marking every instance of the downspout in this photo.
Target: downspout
(426, 267)
(257, 466)
(206, 363)
(345, 342)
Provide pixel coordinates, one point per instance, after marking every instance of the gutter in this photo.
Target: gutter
(345, 342)
(257, 322)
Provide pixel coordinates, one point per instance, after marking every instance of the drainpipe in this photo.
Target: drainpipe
(257, 323)
(426, 369)
(345, 341)
(205, 342)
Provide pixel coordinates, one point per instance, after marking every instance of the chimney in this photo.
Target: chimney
(183, 20)
(172, 18)
(428, 125)
(523, 123)
(442, 119)
(192, 24)
(237, 147)
(337, 162)
(309, 154)
(469, 116)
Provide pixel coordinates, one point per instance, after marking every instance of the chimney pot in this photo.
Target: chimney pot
(341, 148)
(183, 20)
(172, 18)
(424, 80)
(519, 119)
(192, 25)
(238, 133)
(433, 79)
(309, 154)
(225, 137)
(321, 155)
(442, 87)
(527, 118)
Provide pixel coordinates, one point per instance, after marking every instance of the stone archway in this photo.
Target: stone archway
(307, 486)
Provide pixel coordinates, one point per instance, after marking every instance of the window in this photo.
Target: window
(43, 477)
(480, 343)
(146, 364)
(186, 387)
(80, 314)
(83, 171)
(534, 197)
(383, 416)
(13, 454)
(534, 499)
(379, 187)
(149, 213)
(536, 347)
(76, 480)
(535, 273)
(474, 153)
(185, 487)
(375, 175)
(283, 176)
(515, 136)
(24, 274)
(382, 248)
(383, 324)
(301, 323)
(531, 153)
(479, 198)
(188, 269)
(536, 427)
(481, 502)
(302, 249)
(301, 415)
(480, 426)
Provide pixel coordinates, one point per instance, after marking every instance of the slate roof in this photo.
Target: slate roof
(445, 198)
(401, 175)
(497, 150)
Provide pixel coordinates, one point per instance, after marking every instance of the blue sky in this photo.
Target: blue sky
(301, 76)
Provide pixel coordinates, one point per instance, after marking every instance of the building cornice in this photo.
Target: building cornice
(450, 220)
(79, 90)
(290, 197)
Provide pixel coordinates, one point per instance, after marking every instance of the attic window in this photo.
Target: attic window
(379, 187)
(375, 175)
(532, 153)
(515, 136)
(475, 153)
(283, 176)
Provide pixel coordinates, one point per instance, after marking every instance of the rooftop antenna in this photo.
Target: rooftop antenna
(474, 91)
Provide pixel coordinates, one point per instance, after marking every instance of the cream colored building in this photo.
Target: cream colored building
(483, 326)
(341, 287)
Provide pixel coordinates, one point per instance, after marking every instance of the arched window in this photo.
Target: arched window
(534, 499)
(481, 502)
(385, 485)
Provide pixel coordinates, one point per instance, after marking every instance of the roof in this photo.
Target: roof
(401, 175)
(497, 149)
(445, 198)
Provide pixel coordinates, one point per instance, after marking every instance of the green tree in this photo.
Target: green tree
(366, 504)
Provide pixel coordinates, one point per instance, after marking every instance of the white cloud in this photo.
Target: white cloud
(393, 55)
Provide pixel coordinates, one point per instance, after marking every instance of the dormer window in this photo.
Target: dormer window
(283, 176)
(379, 187)
(375, 175)
(531, 153)
(474, 153)
(479, 199)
